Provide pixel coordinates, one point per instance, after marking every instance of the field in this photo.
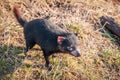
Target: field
(100, 54)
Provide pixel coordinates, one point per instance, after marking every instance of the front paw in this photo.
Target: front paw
(49, 68)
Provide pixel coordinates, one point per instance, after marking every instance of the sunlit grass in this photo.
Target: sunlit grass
(100, 56)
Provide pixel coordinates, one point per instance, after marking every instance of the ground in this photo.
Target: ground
(100, 59)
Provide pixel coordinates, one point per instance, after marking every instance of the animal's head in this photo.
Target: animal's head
(69, 43)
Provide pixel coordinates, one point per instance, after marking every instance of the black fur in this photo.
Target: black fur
(44, 33)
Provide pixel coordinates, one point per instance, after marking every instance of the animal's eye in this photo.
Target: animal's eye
(70, 48)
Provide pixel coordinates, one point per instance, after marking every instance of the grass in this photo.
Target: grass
(100, 59)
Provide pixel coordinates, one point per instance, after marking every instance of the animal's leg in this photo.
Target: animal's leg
(46, 56)
(29, 45)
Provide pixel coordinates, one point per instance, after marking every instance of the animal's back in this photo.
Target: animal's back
(41, 25)
(42, 32)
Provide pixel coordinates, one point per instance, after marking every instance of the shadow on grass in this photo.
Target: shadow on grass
(11, 58)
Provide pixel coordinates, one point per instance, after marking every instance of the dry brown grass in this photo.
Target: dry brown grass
(100, 58)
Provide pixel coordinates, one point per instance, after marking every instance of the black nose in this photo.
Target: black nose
(75, 53)
(78, 55)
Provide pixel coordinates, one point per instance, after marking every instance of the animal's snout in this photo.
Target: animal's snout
(75, 53)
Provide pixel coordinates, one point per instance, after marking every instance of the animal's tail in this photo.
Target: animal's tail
(17, 14)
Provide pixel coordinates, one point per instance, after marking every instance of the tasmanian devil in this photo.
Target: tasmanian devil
(50, 37)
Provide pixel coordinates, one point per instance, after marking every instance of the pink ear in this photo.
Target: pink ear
(60, 39)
